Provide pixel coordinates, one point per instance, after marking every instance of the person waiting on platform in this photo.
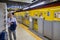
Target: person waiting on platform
(11, 25)
(41, 16)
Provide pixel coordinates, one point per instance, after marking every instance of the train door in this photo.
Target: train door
(56, 26)
(48, 26)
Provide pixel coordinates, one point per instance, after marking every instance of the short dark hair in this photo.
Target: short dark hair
(12, 13)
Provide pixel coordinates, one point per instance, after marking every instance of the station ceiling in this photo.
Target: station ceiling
(22, 3)
(27, 1)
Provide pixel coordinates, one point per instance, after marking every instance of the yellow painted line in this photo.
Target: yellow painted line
(32, 34)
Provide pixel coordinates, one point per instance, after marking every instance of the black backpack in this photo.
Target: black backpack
(13, 26)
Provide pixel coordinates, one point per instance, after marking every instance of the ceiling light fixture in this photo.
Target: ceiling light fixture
(25, 8)
(41, 3)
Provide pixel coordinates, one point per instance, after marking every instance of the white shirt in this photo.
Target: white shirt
(12, 20)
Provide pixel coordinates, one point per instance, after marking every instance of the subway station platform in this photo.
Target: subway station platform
(23, 33)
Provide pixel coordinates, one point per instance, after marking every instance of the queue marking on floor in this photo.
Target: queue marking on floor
(32, 34)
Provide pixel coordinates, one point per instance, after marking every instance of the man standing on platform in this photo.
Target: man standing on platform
(12, 25)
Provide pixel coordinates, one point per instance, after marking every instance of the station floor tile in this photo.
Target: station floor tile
(23, 33)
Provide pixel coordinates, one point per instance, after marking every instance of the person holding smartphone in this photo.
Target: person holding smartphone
(12, 25)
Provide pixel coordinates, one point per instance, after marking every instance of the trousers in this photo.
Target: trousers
(12, 33)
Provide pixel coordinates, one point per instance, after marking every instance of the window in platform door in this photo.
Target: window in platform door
(27, 14)
(57, 14)
(48, 13)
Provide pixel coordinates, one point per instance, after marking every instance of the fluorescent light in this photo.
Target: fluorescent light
(41, 3)
(25, 8)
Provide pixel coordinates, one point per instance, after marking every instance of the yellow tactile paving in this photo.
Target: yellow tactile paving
(23, 34)
(32, 34)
